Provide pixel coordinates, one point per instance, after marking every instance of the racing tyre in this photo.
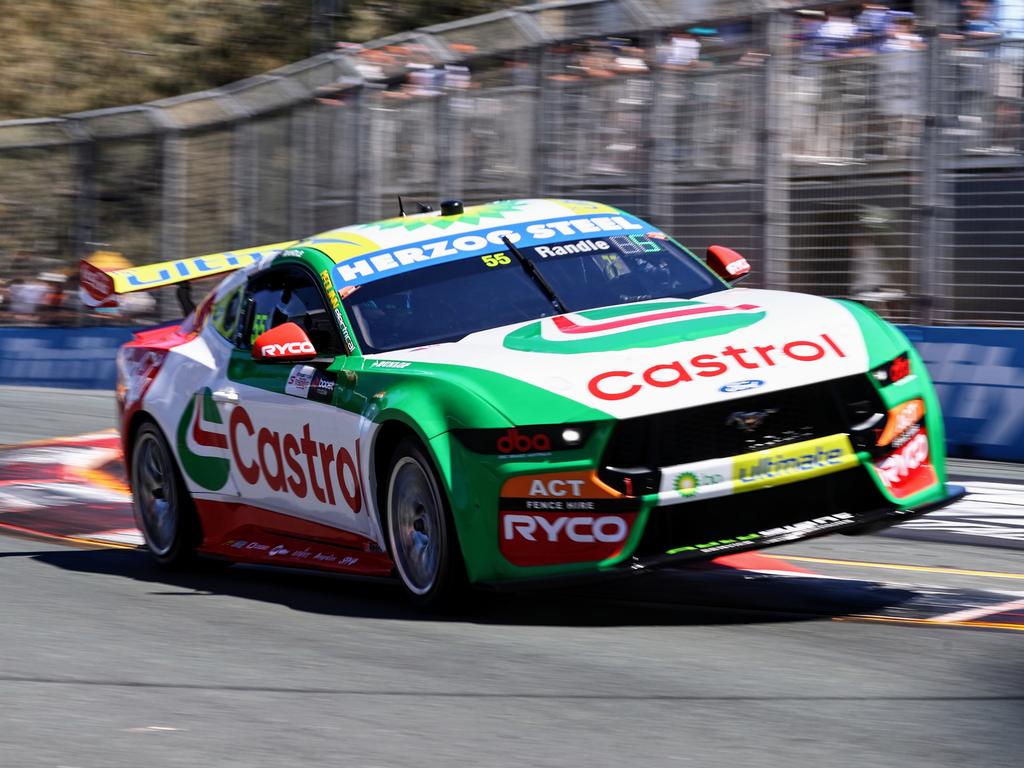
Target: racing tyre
(162, 505)
(421, 533)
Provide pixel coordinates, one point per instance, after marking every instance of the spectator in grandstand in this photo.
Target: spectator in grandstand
(807, 39)
(563, 61)
(423, 79)
(630, 61)
(901, 34)
(681, 52)
(598, 60)
(978, 19)
(25, 296)
(873, 25)
(838, 35)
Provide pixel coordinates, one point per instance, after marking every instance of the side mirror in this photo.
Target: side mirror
(726, 263)
(284, 343)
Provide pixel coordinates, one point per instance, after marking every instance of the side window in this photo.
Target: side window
(226, 313)
(289, 295)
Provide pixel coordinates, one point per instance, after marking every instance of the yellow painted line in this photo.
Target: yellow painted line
(897, 567)
(103, 544)
(112, 431)
(933, 622)
(973, 614)
(17, 529)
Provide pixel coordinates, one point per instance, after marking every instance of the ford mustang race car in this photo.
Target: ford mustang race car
(507, 394)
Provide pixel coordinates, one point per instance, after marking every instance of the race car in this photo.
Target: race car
(511, 394)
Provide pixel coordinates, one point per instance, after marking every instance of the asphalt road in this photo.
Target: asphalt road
(107, 661)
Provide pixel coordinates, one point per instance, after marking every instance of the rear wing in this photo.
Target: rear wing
(99, 289)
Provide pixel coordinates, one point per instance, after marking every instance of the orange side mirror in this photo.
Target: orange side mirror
(285, 343)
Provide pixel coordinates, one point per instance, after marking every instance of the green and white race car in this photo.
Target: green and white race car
(511, 393)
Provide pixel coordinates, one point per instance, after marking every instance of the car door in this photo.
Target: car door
(294, 451)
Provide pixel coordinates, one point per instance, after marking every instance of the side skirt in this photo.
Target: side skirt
(247, 534)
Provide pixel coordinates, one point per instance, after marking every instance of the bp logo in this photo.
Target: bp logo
(203, 443)
(651, 324)
(687, 484)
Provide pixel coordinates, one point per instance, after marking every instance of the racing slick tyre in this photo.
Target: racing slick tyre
(162, 505)
(421, 533)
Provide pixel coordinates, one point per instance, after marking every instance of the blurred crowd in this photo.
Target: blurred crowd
(841, 112)
(44, 299)
(50, 296)
(843, 30)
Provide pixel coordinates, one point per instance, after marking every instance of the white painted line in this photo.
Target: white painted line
(130, 536)
(971, 614)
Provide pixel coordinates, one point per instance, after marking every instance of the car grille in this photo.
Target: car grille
(696, 522)
(710, 431)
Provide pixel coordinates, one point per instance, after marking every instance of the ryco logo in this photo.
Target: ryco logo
(606, 529)
(907, 470)
(565, 517)
(289, 348)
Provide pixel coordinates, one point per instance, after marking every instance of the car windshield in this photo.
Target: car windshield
(448, 301)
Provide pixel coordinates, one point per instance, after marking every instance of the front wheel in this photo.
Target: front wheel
(421, 532)
(160, 501)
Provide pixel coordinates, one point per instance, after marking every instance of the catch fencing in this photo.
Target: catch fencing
(896, 178)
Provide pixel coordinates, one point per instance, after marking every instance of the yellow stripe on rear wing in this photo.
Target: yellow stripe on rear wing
(100, 288)
(151, 276)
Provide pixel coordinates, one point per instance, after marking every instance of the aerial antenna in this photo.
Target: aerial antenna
(401, 207)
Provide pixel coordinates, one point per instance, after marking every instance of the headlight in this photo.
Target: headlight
(521, 441)
(895, 370)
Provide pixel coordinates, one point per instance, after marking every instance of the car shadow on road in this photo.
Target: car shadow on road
(692, 597)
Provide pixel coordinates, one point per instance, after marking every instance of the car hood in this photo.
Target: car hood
(667, 354)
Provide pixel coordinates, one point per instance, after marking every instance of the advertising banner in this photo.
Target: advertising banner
(979, 376)
(75, 358)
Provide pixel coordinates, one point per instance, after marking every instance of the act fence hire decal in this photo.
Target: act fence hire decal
(568, 517)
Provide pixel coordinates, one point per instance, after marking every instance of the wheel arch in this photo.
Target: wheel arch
(135, 422)
(390, 434)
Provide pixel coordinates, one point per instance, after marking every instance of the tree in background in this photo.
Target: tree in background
(62, 56)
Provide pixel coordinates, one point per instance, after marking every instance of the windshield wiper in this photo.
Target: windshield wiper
(531, 269)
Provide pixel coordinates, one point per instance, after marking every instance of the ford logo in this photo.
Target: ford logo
(741, 386)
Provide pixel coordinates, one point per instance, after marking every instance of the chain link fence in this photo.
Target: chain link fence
(892, 173)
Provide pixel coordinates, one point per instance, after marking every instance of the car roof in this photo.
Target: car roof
(356, 240)
(366, 252)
